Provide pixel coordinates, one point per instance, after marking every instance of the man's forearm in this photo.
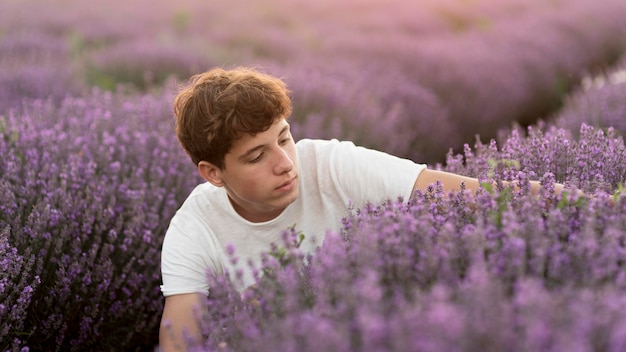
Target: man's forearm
(452, 182)
(180, 324)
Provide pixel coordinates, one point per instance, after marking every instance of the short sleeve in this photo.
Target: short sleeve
(189, 253)
(365, 175)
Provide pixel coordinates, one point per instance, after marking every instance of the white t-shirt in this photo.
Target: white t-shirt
(334, 177)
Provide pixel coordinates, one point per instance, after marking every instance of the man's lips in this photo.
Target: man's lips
(288, 184)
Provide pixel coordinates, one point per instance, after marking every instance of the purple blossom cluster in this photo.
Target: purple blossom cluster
(87, 188)
(497, 270)
(595, 161)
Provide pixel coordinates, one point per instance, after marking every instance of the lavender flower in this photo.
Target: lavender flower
(594, 161)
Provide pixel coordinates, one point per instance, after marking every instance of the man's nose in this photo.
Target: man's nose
(283, 163)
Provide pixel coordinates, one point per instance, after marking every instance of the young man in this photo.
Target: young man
(234, 126)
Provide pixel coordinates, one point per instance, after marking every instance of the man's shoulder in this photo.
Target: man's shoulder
(190, 219)
(325, 150)
(320, 146)
(202, 189)
(308, 143)
(315, 151)
(203, 195)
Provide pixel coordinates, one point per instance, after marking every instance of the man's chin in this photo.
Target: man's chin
(292, 197)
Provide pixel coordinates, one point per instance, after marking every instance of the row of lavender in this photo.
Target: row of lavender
(448, 69)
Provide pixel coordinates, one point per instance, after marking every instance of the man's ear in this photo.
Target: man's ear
(211, 173)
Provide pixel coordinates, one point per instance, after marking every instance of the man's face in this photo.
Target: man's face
(261, 173)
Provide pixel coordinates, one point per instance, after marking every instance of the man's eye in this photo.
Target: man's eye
(257, 159)
(284, 141)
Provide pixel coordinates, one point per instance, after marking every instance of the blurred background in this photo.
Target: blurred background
(413, 78)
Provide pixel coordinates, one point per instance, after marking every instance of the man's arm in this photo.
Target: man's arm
(180, 322)
(452, 182)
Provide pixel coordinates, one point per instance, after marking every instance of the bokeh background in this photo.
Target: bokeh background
(414, 78)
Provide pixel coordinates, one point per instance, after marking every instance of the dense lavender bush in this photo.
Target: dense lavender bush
(499, 269)
(596, 161)
(87, 190)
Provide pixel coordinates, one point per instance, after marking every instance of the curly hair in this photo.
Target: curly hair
(219, 106)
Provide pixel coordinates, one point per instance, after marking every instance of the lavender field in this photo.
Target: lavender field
(520, 90)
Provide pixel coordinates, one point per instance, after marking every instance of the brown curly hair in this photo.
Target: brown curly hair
(219, 106)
